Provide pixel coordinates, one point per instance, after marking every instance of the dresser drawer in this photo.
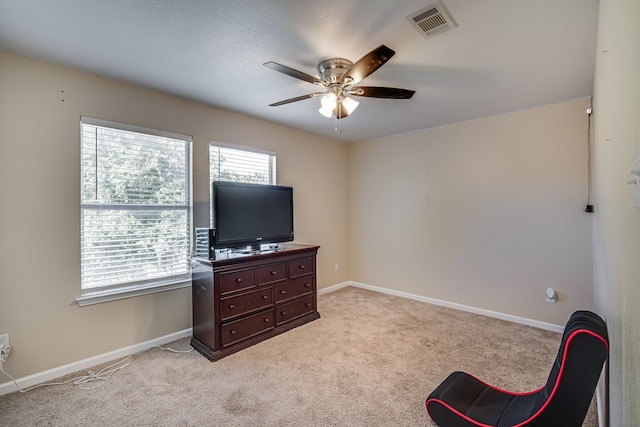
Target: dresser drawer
(294, 288)
(237, 280)
(300, 267)
(246, 303)
(272, 273)
(242, 329)
(293, 310)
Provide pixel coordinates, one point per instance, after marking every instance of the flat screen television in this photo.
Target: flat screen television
(251, 214)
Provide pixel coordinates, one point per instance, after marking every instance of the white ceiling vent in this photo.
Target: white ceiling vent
(432, 20)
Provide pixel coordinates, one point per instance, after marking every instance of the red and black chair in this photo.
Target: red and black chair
(463, 400)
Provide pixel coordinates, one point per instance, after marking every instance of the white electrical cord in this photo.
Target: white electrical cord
(101, 377)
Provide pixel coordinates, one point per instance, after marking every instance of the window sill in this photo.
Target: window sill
(100, 296)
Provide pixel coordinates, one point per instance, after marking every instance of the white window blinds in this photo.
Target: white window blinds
(135, 206)
(241, 165)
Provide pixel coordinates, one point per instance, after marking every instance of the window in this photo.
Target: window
(240, 164)
(135, 210)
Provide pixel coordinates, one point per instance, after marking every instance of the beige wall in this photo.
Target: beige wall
(40, 109)
(617, 222)
(486, 213)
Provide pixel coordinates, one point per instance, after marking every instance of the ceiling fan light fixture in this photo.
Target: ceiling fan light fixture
(349, 104)
(328, 103)
(327, 112)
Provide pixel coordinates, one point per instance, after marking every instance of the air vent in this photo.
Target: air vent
(432, 20)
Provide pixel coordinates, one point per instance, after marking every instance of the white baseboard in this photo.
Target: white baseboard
(42, 377)
(51, 374)
(483, 312)
(334, 287)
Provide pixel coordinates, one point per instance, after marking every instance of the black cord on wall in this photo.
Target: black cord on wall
(589, 207)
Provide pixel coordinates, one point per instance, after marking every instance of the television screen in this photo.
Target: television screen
(251, 214)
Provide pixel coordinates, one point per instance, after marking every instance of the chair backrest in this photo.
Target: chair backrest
(565, 398)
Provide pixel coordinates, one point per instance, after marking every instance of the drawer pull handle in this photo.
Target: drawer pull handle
(233, 332)
(239, 279)
(308, 305)
(265, 296)
(266, 320)
(283, 292)
(231, 306)
(284, 313)
(307, 285)
(273, 273)
(301, 267)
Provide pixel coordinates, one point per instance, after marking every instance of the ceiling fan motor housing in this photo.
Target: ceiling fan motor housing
(331, 70)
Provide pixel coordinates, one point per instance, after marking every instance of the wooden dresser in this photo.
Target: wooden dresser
(242, 299)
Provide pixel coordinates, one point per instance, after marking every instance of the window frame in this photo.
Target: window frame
(94, 295)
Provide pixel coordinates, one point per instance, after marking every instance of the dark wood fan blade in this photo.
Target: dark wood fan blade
(382, 92)
(293, 73)
(299, 98)
(367, 64)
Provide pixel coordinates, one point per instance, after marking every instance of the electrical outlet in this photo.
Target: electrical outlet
(4, 347)
(4, 341)
(551, 295)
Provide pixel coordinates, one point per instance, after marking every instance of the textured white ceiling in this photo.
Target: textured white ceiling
(505, 55)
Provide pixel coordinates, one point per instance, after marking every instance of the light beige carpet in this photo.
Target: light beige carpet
(370, 360)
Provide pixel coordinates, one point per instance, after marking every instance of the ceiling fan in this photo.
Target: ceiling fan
(338, 76)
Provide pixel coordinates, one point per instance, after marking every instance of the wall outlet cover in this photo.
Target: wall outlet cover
(4, 341)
